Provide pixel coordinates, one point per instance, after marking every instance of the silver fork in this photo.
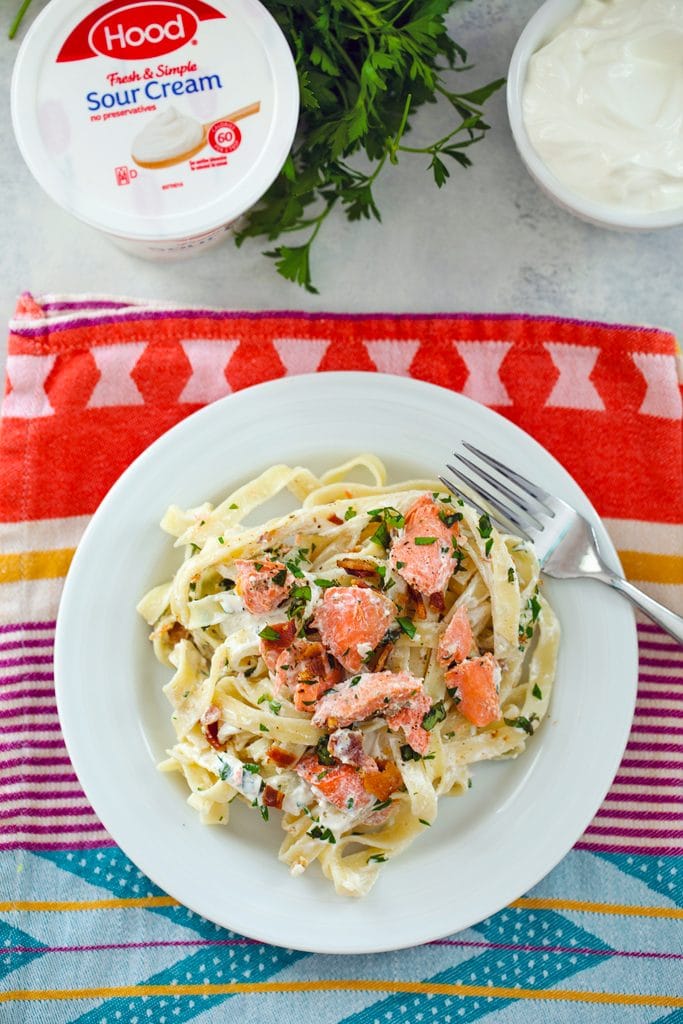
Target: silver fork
(565, 542)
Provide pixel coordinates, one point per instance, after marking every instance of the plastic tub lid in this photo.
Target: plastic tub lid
(155, 119)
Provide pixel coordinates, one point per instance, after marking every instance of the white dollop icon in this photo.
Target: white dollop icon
(167, 136)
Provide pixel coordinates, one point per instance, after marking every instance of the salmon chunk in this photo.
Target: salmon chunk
(272, 649)
(352, 621)
(477, 682)
(457, 641)
(397, 696)
(340, 784)
(262, 585)
(423, 553)
(306, 670)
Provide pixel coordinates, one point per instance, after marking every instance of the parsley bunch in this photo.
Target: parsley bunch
(364, 69)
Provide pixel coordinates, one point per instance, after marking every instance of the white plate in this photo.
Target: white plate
(486, 848)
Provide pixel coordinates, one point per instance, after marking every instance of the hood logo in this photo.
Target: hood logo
(145, 30)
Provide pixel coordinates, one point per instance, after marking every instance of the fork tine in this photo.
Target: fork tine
(465, 497)
(511, 518)
(526, 485)
(516, 499)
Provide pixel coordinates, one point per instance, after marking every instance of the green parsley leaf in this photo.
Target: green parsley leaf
(433, 717)
(537, 692)
(280, 577)
(422, 541)
(407, 626)
(325, 834)
(377, 858)
(350, 513)
(485, 526)
(322, 752)
(268, 633)
(522, 723)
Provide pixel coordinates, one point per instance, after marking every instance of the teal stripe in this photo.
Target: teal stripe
(664, 875)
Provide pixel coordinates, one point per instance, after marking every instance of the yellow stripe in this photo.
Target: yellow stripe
(526, 902)
(642, 565)
(348, 984)
(534, 903)
(35, 565)
(110, 904)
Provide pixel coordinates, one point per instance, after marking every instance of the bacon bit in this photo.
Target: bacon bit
(378, 663)
(257, 587)
(361, 567)
(282, 758)
(418, 610)
(209, 723)
(437, 602)
(272, 649)
(334, 518)
(307, 671)
(273, 797)
(177, 632)
(384, 781)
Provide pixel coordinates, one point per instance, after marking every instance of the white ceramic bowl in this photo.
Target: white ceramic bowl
(538, 31)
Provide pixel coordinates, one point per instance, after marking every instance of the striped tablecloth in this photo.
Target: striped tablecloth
(84, 936)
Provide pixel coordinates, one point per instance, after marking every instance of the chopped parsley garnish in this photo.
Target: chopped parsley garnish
(535, 607)
(268, 633)
(381, 536)
(263, 728)
(523, 723)
(233, 505)
(301, 593)
(408, 754)
(280, 577)
(225, 770)
(380, 805)
(537, 692)
(433, 717)
(422, 541)
(488, 546)
(324, 583)
(355, 681)
(450, 518)
(423, 822)
(249, 766)
(400, 565)
(350, 513)
(407, 626)
(322, 752)
(511, 575)
(485, 527)
(377, 858)
(195, 548)
(221, 540)
(349, 803)
(264, 812)
(325, 834)
(388, 515)
(294, 569)
(274, 706)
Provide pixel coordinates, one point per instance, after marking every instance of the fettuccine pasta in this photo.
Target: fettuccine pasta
(344, 665)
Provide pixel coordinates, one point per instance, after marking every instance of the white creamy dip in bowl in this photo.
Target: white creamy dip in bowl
(595, 101)
(159, 122)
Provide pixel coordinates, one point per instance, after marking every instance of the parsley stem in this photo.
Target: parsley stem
(18, 19)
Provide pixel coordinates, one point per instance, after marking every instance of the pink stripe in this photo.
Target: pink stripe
(32, 744)
(18, 627)
(28, 711)
(646, 780)
(641, 815)
(81, 844)
(633, 762)
(670, 748)
(36, 692)
(51, 830)
(19, 645)
(22, 762)
(659, 713)
(652, 645)
(644, 798)
(48, 812)
(649, 627)
(28, 677)
(652, 677)
(651, 851)
(40, 777)
(645, 693)
(654, 833)
(243, 941)
(662, 662)
(46, 794)
(31, 727)
(26, 659)
(657, 730)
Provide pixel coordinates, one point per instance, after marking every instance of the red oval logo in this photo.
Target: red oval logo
(143, 31)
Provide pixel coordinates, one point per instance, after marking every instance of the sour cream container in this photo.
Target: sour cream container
(158, 122)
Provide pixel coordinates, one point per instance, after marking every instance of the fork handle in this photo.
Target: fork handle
(664, 617)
